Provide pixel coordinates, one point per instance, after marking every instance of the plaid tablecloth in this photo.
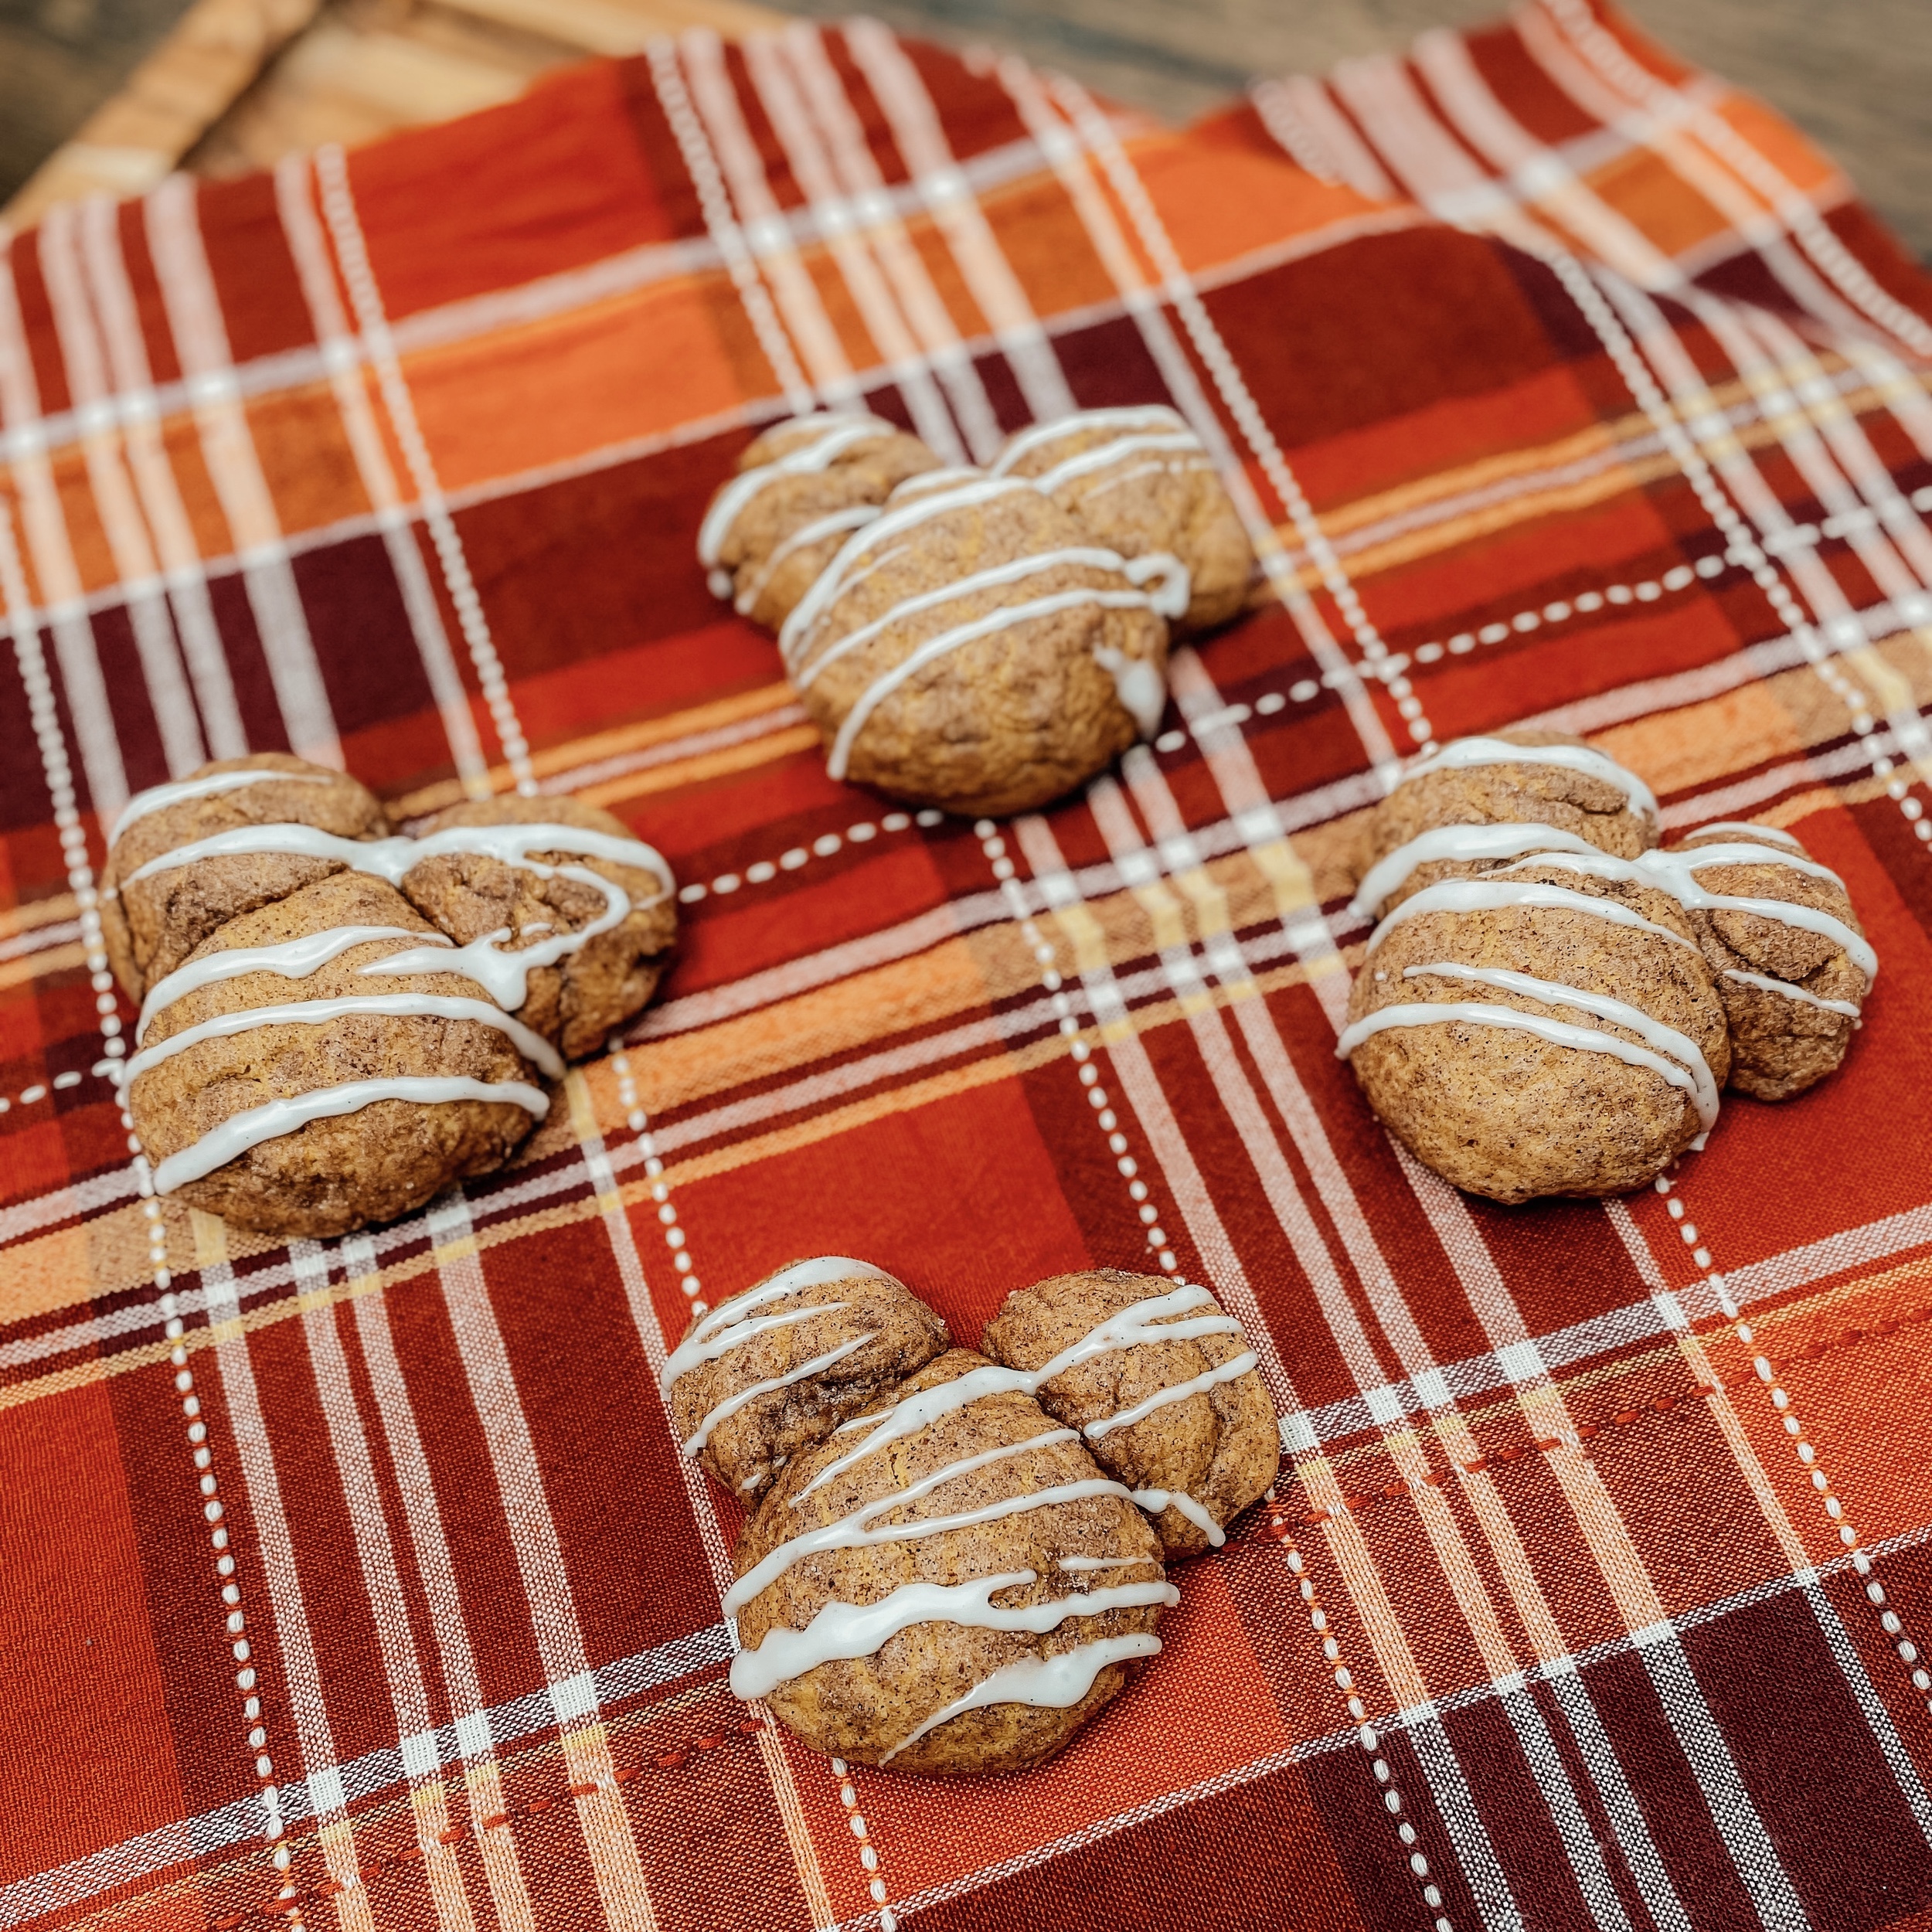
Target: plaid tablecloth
(358, 1583)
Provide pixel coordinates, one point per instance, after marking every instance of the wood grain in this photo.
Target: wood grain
(239, 82)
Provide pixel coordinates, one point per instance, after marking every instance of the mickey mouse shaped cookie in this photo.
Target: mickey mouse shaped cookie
(336, 1023)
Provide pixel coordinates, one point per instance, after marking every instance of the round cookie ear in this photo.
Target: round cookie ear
(1792, 963)
(801, 490)
(1161, 1384)
(779, 1366)
(590, 920)
(1481, 801)
(1140, 481)
(165, 887)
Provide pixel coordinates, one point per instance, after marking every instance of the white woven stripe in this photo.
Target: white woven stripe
(308, 248)
(134, 403)
(43, 522)
(128, 544)
(609, 1842)
(193, 305)
(372, 322)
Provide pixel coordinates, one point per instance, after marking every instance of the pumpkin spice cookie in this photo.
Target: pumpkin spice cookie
(947, 1585)
(573, 940)
(1163, 1387)
(155, 913)
(1138, 479)
(315, 1053)
(288, 1083)
(975, 649)
(777, 1367)
(1792, 962)
(800, 491)
(1481, 802)
(1551, 1027)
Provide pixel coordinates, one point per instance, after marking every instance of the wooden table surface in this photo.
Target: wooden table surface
(235, 83)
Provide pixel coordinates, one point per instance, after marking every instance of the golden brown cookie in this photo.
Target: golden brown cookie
(1792, 991)
(152, 920)
(1483, 801)
(764, 1376)
(589, 930)
(1184, 1423)
(1140, 481)
(949, 1586)
(975, 649)
(282, 1086)
(800, 491)
(1550, 1028)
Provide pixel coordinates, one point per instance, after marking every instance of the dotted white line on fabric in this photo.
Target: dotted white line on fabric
(1806, 1452)
(1097, 1097)
(45, 719)
(868, 1855)
(639, 1123)
(822, 847)
(1366, 1736)
(1391, 670)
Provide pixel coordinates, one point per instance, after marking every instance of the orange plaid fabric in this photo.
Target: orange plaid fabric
(359, 1584)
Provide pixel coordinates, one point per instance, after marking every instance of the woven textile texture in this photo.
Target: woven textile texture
(359, 1584)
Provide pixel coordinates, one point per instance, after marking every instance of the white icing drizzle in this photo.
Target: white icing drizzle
(1491, 894)
(318, 1012)
(1667, 1040)
(291, 958)
(998, 574)
(731, 1325)
(1054, 1683)
(1482, 1013)
(1142, 1321)
(159, 797)
(1142, 690)
(697, 1348)
(1154, 1501)
(1784, 986)
(935, 648)
(504, 975)
(1463, 753)
(393, 858)
(1131, 416)
(1105, 455)
(825, 526)
(827, 437)
(240, 1132)
(843, 1630)
(905, 509)
(852, 1532)
(1390, 874)
(1750, 830)
(911, 1414)
(732, 1404)
(1674, 873)
(1099, 1562)
(1174, 1391)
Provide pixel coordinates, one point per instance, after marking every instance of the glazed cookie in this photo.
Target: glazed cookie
(1479, 801)
(947, 1585)
(1792, 962)
(154, 913)
(589, 923)
(1162, 1386)
(287, 1082)
(1140, 481)
(1550, 1028)
(777, 1368)
(801, 490)
(976, 650)
(366, 1100)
